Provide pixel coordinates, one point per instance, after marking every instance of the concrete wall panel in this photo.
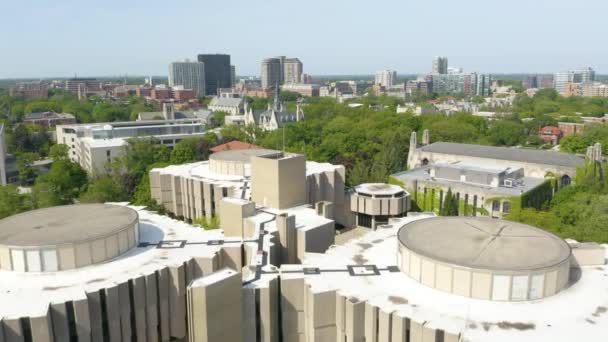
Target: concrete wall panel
(481, 285)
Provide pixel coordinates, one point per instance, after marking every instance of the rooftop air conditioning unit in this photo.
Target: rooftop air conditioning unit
(508, 183)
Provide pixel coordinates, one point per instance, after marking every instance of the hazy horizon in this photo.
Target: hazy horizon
(113, 38)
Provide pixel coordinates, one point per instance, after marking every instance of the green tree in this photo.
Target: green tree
(450, 205)
(59, 152)
(219, 118)
(12, 202)
(508, 133)
(573, 144)
(207, 223)
(25, 167)
(128, 169)
(104, 189)
(65, 182)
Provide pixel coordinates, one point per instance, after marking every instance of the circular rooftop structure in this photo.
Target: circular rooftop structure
(236, 162)
(378, 189)
(484, 258)
(66, 237)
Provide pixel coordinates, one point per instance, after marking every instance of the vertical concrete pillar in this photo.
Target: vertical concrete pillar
(41, 328)
(82, 318)
(354, 319)
(151, 307)
(13, 332)
(322, 314)
(371, 323)
(139, 307)
(206, 265)
(385, 326)
(113, 313)
(59, 319)
(416, 330)
(292, 304)
(400, 326)
(268, 298)
(231, 257)
(125, 311)
(215, 307)
(94, 302)
(163, 295)
(1, 332)
(286, 226)
(249, 314)
(177, 301)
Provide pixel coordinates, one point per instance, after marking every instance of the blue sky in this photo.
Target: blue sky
(60, 38)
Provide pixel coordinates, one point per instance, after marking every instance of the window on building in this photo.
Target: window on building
(506, 207)
(496, 205)
(364, 220)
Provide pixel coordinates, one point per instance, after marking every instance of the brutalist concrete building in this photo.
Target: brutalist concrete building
(277, 276)
(273, 273)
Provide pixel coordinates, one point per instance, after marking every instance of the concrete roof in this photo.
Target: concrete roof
(421, 174)
(234, 145)
(64, 224)
(378, 189)
(570, 315)
(505, 153)
(241, 155)
(484, 243)
(25, 294)
(226, 101)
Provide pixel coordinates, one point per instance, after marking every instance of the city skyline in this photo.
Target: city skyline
(532, 40)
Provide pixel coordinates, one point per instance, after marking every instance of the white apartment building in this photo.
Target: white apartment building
(93, 146)
(386, 78)
(190, 75)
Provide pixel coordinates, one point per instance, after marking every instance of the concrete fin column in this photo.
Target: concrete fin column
(416, 331)
(163, 294)
(151, 307)
(125, 311)
(206, 265)
(215, 307)
(139, 306)
(286, 226)
(177, 301)
(232, 257)
(292, 304)
(94, 302)
(268, 299)
(13, 331)
(400, 327)
(82, 318)
(354, 317)
(59, 318)
(371, 323)
(112, 304)
(249, 310)
(385, 326)
(323, 309)
(41, 328)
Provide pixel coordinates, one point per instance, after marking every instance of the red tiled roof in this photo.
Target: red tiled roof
(550, 130)
(234, 145)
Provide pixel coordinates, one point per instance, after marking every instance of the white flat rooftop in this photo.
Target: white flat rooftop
(578, 313)
(29, 294)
